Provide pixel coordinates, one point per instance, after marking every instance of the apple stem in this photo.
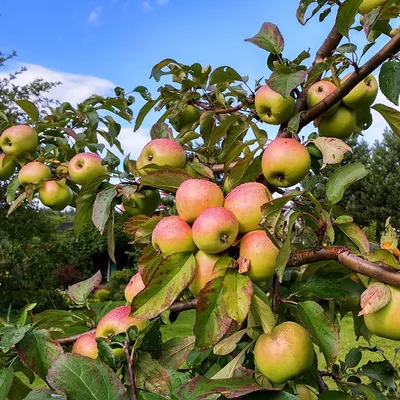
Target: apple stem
(129, 359)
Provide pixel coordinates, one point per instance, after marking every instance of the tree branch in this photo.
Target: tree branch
(180, 306)
(71, 339)
(129, 359)
(322, 386)
(219, 111)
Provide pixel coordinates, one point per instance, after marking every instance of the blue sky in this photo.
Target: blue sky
(93, 45)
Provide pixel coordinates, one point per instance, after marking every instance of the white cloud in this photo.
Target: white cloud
(75, 87)
(94, 15)
(133, 142)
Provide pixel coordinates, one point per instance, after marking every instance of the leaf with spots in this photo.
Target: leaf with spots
(268, 38)
(377, 296)
(79, 292)
(101, 208)
(332, 149)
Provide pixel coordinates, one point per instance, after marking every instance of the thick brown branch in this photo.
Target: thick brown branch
(389, 50)
(180, 306)
(71, 339)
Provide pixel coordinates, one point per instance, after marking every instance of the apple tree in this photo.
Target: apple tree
(244, 275)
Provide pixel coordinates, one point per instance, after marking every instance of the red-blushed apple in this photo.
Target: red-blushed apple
(368, 5)
(363, 94)
(86, 346)
(318, 91)
(161, 152)
(85, 168)
(215, 230)
(117, 321)
(258, 248)
(172, 235)
(205, 264)
(340, 125)
(134, 287)
(33, 173)
(303, 392)
(272, 107)
(7, 168)
(188, 116)
(285, 162)
(19, 139)
(386, 321)
(196, 195)
(245, 202)
(144, 202)
(55, 194)
(284, 354)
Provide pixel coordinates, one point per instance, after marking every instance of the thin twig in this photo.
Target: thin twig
(322, 386)
(129, 359)
(275, 293)
(71, 339)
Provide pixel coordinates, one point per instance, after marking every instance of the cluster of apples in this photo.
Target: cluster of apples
(19, 144)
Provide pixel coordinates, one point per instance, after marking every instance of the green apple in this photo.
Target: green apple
(144, 202)
(303, 392)
(284, 354)
(272, 107)
(134, 286)
(258, 248)
(33, 173)
(362, 95)
(368, 5)
(86, 346)
(196, 195)
(205, 264)
(172, 235)
(161, 152)
(118, 321)
(285, 162)
(188, 116)
(7, 168)
(55, 195)
(19, 139)
(85, 168)
(215, 230)
(340, 125)
(386, 321)
(245, 202)
(318, 91)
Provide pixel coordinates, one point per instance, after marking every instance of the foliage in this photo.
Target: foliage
(118, 280)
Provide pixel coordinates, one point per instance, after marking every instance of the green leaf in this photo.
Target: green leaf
(101, 208)
(260, 312)
(268, 38)
(353, 358)
(148, 263)
(23, 314)
(221, 130)
(389, 236)
(302, 9)
(228, 345)
(200, 388)
(30, 108)
(12, 188)
(6, 378)
(212, 319)
(332, 149)
(105, 352)
(143, 112)
(161, 130)
(44, 394)
(81, 378)
(181, 328)
(10, 335)
(224, 74)
(284, 83)
(236, 295)
(246, 170)
(157, 72)
(143, 91)
(318, 69)
(170, 278)
(391, 115)
(111, 240)
(342, 178)
(17, 203)
(79, 292)
(322, 329)
(381, 371)
(167, 180)
(356, 235)
(175, 351)
(18, 389)
(346, 15)
(382, 256)
(334, 395)
(38, 351)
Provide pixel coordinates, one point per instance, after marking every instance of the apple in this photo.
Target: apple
(144, 202)
(134, 286)
(285, 162)
(245, 202)
(215, 230)
(7, 168)
(262, 253)
(33, 172)
(340, 125)
(19, 139)
(196, 195)
(172, 235)
(119, 353)
(86, 346)
(272, 107)
(117, 321)
(285, 353)
(386, 321)
(161, 152)
(85, 168)
(188, 116)
(205, 264)
(303, 392)
(318, 91)
(55, 195)
(363, 94)
(368, 5)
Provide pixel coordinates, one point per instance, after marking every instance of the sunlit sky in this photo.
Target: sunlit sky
(94, 45)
